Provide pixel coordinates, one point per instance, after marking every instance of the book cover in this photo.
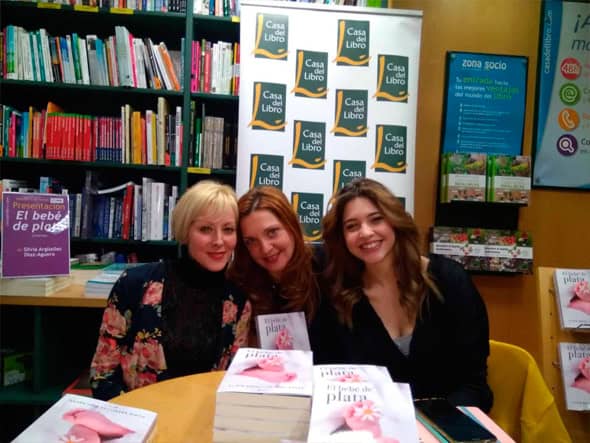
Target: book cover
(82, 419)
(283, 331)
(465, 177)
(259, 371)
(352, 373)
(575, 371)
(360, 406)
(509, 179)
(572, 293)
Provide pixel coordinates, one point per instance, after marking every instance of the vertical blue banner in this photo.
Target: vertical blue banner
(562, 137)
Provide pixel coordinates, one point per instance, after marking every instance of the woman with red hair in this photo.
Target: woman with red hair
(272, 262)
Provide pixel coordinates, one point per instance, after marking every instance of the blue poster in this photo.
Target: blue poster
(485, 103)
(562, 138)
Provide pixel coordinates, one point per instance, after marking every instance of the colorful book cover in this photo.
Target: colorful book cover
(260, 371)
(572, 293)
(283, 331)
(465, 177)
(360, 405)
(509, 179)
(75, 418)
(575, 371)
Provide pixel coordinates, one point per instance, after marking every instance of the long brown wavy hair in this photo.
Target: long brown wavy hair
(297, 289)
(345, 272)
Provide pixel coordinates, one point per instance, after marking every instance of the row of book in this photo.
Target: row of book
(129, 211)
(118, 60)
(138, 5)
(480, 177)
(149, 138)
(477, 249)
(215, 140)
(215, 67)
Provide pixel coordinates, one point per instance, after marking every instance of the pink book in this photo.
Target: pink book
(132, 57)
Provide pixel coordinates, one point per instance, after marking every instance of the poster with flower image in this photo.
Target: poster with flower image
(360, 406)
(283, 331)
(575, 371)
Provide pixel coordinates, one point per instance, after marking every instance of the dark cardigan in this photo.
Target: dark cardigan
(449, 347)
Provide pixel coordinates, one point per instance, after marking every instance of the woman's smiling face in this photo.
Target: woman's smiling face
(268, 241)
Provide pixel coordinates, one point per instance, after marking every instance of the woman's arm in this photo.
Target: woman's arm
(106, 378)
(470, 340)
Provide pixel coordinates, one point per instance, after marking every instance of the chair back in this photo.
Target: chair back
(523, 404)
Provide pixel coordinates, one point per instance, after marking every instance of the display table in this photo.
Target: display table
(186, 408)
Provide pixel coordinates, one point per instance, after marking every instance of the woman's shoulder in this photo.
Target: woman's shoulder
(144, 272)
(445, 269)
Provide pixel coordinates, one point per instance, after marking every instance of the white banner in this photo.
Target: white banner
(327, 94)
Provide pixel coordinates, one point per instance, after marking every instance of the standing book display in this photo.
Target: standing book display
(572, 293)
(283, 331)
(265, 396)
(575, 370)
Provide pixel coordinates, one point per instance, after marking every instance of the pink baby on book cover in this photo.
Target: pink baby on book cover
(581, 297)
(270, 369)
(91, 427)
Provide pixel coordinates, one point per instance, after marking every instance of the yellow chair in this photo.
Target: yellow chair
(523, 404)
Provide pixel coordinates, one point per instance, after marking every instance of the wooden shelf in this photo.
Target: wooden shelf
(72, 296)
(551, 334)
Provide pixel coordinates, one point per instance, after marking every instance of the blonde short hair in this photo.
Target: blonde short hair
(206, 195)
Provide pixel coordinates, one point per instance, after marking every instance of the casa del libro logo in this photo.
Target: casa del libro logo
(310, 211)
(390, 149)
(353, 43)
(272, 36)
(309, 145)
(311, 74)
(266, 170)
(268, 109)
(392, 78)
(351, 113)
(346, 171)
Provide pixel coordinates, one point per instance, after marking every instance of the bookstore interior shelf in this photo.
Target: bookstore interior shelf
(52, 320)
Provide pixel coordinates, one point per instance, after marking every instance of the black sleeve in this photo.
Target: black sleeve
(468, 338)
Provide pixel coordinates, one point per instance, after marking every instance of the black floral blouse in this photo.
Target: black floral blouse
(160, 322)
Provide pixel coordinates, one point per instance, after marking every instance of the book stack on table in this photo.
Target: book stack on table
(265, 396)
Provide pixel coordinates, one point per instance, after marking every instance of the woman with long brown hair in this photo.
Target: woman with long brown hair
(420, 317)
(272, 262)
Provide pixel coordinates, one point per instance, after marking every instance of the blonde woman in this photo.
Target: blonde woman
(181, 316)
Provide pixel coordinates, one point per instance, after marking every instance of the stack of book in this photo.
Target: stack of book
(265, 396)
(100, 286)
(34, 286)
(360, 404)
(82, 419)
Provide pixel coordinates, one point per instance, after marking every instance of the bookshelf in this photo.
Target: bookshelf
(176, 30)
(61, 329)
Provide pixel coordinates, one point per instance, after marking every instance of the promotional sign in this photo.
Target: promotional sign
(562, 139)
(319, 109)
(35, 235)
(485, 103)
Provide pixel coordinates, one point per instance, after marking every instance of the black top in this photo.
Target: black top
(449, 346)
(191, 316)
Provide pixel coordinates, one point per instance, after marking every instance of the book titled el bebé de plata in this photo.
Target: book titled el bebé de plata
(75, 418)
